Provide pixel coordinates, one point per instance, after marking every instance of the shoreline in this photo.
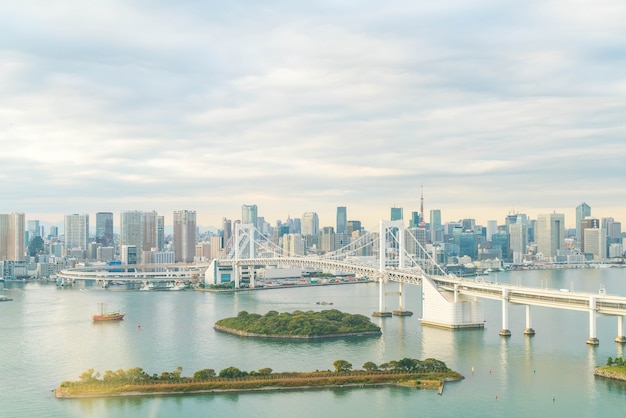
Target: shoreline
(610, 374)
(435, 384)
(295, 337)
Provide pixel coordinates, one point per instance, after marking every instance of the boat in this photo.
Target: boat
(5, 298)
(147, 286)
(107, 316)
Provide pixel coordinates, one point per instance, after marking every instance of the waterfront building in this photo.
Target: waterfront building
(468, 244)
(131, 229)
(342, 219)
(128, 254)
(104, 228)
(595, 242)
(587, 223)
(12, 232)
(105, 253)
(184, 236)
(501, 240)
(76, 233)
(436, 234)
(582, 211)
(310, 223)
(550, 233)
(249, 215)
(217, 246)
(518, 233)
(150, 231)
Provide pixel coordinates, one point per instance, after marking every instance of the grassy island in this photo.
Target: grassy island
(298, 324)
(429, 373)
(614, 369)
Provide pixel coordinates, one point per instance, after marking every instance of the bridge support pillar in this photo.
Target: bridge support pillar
(400, 311)
(528, 330)
(592, 340)
(505, 332)
(620, 330)
(381, 299)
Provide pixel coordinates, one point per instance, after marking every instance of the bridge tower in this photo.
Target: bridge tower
(244, 240)
(397, 254)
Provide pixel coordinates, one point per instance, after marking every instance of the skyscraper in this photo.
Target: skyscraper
(184, 236)
(436, 234)
(131, 229)
(550, 233)
(310, 224)
(582, 211)
(249, 215)
(396, 214)
(76, 232)
(12, 231)
(342, 219)
(104, 228)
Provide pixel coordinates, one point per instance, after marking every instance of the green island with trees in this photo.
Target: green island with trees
(614, 369)
(298, 324)
(429, 373)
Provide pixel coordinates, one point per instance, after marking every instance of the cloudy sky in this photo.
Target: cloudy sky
(492, 106)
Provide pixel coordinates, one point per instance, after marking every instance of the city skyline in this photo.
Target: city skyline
(492, 107)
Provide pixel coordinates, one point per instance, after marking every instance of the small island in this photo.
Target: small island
(298, 324)
(407, 372)
(614, 369)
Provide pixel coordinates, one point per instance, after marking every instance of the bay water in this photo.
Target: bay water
(47, 336)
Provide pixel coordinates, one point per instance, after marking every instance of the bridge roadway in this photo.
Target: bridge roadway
(595, 303)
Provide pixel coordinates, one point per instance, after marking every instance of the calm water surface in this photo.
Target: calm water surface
(46, 336)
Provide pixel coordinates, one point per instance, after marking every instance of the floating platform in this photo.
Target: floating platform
(381, 314)
(402, 313)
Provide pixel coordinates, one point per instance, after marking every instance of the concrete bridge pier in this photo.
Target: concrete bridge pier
(528, 330)
(592, 340)
(400, 311)
(620, 330)
(505, 332)
(381, 299)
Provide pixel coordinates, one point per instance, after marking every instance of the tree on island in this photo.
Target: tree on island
(370, 366)
(342, 366)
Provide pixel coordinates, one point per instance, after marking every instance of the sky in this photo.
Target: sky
(488, 107)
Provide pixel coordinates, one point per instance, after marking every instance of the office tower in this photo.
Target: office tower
(492, 228)
(54, 231)
(104, 228)
(342, 219)
(595, 242)
(436, 234)
(396, 214)
(227, 228)
(327, 242)
(34, 230)
(468, 224)
(131, 230)
(468, 244)
(129, 254)
(293, 245)
(310, 223)
(161, 232)
(76, 232)
(582, 211)
(217, 246)
(249, 215)
(550, 233)
(352, 227)
(12, 231)
(414, 222)
(518, 233)
(184, 236)
(502, 240)
(587, 223)
(150, 235)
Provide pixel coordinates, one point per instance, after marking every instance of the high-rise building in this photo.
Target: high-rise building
(131, 230)
(414, 222)
(184, 236)
(249, 215)
(150, 231)
(582, 211)
(12, 232)
(492, 228)
(595, 242)
(76, 232)
(227, 228)
(293, 245)
(353, 226)
(104, 228)
(396, 214)
(310, 224)
(550, 233)
(342, 219)
(587, 223)
(34, 230)
(436, 234)
(518, 233)
(161, 232)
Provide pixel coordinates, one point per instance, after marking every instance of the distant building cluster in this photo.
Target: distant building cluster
(27, 251)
